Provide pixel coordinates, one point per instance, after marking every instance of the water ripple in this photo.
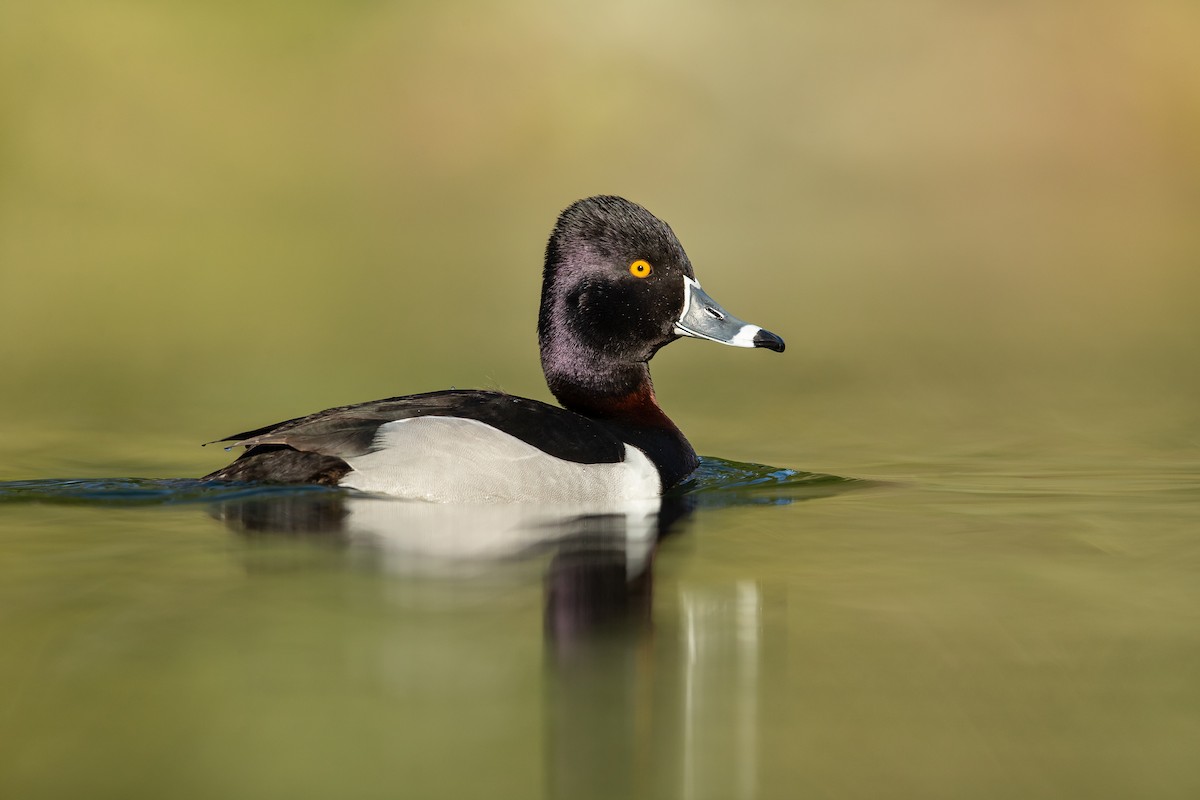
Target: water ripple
(140, 491)
(717, 482)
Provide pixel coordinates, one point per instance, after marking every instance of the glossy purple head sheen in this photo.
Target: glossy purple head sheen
(599, 324)
(617, 287)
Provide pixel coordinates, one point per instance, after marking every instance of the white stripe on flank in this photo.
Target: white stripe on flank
(454, 460)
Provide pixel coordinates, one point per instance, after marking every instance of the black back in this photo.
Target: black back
(312, 449)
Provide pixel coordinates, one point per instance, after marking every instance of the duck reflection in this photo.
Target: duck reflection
(598, 584)
(640, 703)
(638, 700)
(431, 538)
(599, 668)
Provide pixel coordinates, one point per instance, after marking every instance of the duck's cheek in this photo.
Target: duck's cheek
(610, 318)
(591, 318)
(646, 323)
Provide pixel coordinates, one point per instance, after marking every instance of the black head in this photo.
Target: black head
(618, 286)
(593, 293)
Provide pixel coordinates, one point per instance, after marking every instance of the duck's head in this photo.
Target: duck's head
(617, 287)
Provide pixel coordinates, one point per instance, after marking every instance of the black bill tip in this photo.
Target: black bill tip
(768, 340)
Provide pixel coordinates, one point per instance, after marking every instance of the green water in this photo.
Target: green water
(982, 628)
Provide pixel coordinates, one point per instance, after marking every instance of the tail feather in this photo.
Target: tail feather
(281, 464)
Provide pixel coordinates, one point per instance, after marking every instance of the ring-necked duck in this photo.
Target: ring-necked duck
(616, 287)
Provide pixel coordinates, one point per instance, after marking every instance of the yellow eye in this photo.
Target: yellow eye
(640, 268)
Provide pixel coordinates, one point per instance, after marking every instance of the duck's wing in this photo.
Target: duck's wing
(313, 449)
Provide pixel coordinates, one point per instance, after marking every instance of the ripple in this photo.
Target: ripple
(717, 482)
(141, 491)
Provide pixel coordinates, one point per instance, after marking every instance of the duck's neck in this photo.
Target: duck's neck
(602, 388)
(625, 396)
(622, 397)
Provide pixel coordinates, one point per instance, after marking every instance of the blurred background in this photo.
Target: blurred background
(966, 219)
(975, 224)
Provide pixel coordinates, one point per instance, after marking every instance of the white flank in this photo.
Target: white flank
(454, 460)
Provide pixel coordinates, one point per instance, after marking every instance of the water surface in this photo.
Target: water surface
(971, 631)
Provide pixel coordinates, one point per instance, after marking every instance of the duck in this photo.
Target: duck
(617, 286)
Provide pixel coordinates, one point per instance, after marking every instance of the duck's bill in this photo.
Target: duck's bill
(703, 318)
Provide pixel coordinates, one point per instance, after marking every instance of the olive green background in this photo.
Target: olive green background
(215, 215)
